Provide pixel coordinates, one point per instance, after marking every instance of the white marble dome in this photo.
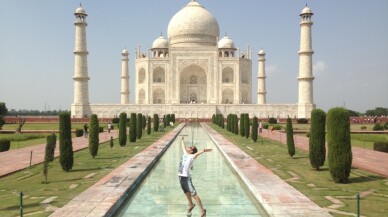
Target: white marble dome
(261, 52)
(80, 10)
(160, 42)
(306, 10)
(193, 25)
(226, 42)
(124, 52)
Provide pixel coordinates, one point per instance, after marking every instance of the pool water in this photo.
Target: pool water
(220, 190)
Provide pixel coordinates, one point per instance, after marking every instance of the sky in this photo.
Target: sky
(349, 39)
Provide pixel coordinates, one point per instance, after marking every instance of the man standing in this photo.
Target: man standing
(189, 154)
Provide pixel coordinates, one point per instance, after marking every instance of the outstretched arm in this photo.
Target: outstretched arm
(183, 145)
(201, 152)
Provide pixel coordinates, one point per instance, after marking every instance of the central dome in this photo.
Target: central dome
(193, 25)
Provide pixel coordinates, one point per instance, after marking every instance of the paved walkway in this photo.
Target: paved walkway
(366, 159)
(22, 155)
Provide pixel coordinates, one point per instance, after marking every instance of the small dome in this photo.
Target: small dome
(80, 10)
(160, 42)
(306, 10)
(226, 42)
(124, 52)
(193, 25)
(261, 52)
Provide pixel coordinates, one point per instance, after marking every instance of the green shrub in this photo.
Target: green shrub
(386, 125)
(50, 147)
(302, 121)
(123, 129)
(317, 149)
(115, 120)
(265, 126)
(139, 126)
(378, 127)
(290, 138)
(247, 126)
(168, 119)
(173, 118)
(272, 121)
(242, 125)
(156, 122)
(111, 142)
(100, 129)
(79, 132)
(148, 125)
(381, 146)
(94, 141)
(363, 127)
(254, 129)
(144, 121)
(132, 128)
(5, 144)
(338, 140)
(236, 124)
(66, 158)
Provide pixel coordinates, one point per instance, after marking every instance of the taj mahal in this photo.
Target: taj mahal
(193, 73)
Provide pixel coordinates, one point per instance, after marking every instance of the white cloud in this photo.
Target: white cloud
(271, 69)
(319, 68)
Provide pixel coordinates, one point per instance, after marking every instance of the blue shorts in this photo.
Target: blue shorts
(187, 185)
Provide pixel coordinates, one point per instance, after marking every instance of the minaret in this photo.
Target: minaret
(81, 78)
(124, 78)
(261, 92)
(305, 78)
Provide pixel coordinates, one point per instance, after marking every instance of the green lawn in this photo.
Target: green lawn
(61, 184)
(317, 184)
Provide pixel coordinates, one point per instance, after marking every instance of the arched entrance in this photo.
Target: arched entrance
(193, 85)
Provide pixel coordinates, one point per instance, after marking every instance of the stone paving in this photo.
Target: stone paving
(22, 155)
(366, 159)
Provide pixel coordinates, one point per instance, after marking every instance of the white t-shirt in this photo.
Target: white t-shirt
(185, 164)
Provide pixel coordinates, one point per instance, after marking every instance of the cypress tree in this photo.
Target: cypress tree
(49, 154)
(94, 141)
(65, 143)
(156, 122)
(111, 142)
(235, 124)
(139, 126)
(144, 120)
(132, 128)
(222, 122)
(164, 121)
(148, 125)
(254, 129)
(173, 118)
(242, 125)
(340, 149)
(247, 126)
(123, 129)
(290, 138)
(317, 149)
(168, 119)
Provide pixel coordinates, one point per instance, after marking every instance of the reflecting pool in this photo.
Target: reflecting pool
(220, 190)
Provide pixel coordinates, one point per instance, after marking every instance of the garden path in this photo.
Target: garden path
(366, 159)
(18, 159)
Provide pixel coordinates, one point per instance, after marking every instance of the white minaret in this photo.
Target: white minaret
(124, 78)
(81, 77)
(305, 78)
(261, 92)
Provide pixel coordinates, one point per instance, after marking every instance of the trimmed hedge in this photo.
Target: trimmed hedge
(272, 121)
(132, 128)
(302, 121)
(290, 138)
(381, 146)
(139, 125)
(338, 140)
(386, 125)
(156, 122)
(115, 120)
(123, 129)
(94, 140)
(317, 149)
(79, 132)
(254, 129)
(66, 158)
(148, 125)
(378, 127)
(5, 144)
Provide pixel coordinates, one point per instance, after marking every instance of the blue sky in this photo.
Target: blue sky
(350, 40)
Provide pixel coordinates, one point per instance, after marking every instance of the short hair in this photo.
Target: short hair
(195, 150)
